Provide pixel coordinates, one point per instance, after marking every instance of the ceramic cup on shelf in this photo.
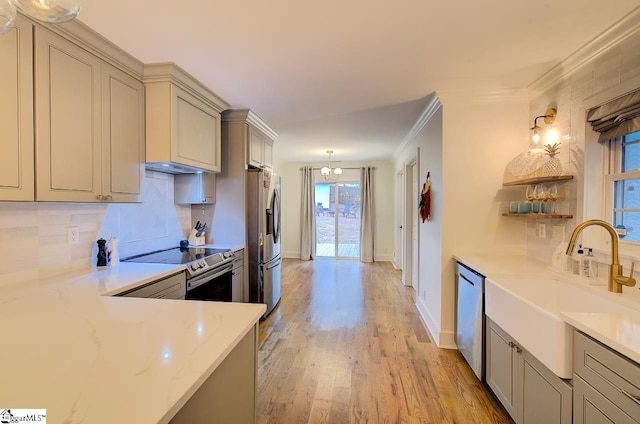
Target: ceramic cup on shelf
(513, 207)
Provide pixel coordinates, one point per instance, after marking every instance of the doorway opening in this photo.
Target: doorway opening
(338, 219)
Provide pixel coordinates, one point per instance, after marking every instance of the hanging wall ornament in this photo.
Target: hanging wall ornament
(425, 199)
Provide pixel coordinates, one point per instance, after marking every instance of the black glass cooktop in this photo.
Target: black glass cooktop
(175, 255)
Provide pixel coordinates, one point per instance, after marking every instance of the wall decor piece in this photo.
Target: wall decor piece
(425, 199)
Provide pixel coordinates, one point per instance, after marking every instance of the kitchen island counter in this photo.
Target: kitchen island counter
(99, 359)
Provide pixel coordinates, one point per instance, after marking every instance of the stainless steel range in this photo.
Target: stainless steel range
(209, 271)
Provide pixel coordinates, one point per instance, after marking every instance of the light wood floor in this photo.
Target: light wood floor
(346, 345)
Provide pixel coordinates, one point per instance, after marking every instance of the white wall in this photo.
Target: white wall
(465, 146)
(383, 194)
(33, 240)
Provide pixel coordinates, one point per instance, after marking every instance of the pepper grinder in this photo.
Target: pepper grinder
(102, 252)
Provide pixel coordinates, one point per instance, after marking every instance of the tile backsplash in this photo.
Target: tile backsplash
(618, 64)
(33, 235)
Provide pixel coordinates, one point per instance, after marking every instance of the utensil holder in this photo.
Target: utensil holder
(194, 240)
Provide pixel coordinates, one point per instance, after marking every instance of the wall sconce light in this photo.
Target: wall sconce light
(549, 116)
(52, 11)
(330, 173)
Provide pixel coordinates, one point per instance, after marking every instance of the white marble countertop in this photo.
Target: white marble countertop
(503, 265)
(621, 332)
(99, 359)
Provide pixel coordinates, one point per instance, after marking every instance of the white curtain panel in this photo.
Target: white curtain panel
(308, 216)
(367, 216)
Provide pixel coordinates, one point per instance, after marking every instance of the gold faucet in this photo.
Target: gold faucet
(616, 279)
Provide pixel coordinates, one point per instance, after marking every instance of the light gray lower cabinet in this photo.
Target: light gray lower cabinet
(528, 390)
(606, 384)
(229, 395)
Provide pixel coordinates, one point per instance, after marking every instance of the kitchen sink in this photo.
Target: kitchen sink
(529, 310)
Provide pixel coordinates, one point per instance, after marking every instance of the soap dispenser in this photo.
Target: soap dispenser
(577, 261)
(589, 265)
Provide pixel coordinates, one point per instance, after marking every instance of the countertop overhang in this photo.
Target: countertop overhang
(84, 356)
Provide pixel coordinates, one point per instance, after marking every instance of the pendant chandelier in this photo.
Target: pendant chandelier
(329, 173)
(51, 11)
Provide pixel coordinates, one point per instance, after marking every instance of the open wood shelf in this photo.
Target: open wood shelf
(538, 180)
(538, 215)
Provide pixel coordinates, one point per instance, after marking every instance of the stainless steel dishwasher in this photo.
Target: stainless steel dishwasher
(470, 317)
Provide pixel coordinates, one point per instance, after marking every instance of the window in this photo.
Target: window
(623, 185)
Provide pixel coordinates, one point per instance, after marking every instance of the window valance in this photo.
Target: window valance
(616, 118)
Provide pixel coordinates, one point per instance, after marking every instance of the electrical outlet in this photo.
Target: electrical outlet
(558, 233)
(542, 230)
(73, 235)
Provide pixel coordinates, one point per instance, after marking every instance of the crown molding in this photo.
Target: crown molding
(246, 115)
(170, 72)
(626, 27)
(85, 37)
(432, 107)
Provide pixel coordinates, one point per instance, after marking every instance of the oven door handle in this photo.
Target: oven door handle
(195, 282)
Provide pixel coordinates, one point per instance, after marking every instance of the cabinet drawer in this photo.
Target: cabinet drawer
(589, 406)
(172, 287)
(608, 372)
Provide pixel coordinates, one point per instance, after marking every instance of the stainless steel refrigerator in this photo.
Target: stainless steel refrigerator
(263, 230)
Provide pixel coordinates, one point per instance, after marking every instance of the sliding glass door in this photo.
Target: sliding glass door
(338, 220)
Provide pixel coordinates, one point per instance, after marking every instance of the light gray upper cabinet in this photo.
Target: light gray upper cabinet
(606, 384)
(16, 113)
(260, 152)
(123, 135)
(183, 121)
(89, 125)
(529, 391)
(258, 138)
(192, 189)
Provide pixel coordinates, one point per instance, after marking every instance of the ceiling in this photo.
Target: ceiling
(351, 76)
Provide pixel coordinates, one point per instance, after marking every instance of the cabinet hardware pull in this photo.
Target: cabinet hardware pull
(100, 197)
(518, 350)
(108, 197)
(636, 399)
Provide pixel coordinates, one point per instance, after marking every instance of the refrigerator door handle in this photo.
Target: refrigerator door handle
(276, 263)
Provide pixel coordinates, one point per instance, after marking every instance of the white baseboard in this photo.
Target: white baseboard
(382, 258)
(292, 254)
(444, 340)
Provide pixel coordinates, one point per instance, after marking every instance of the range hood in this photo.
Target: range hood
(183, 124)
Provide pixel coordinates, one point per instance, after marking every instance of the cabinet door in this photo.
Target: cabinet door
(590, 406)
(502, 367)
(544, 397)
(268, 153)
(122, 136)
(196, 132)
(16, 113)
(255, 151)
(67, 104)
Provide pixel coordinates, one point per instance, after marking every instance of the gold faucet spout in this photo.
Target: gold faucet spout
(616, 279)
(603, 224)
